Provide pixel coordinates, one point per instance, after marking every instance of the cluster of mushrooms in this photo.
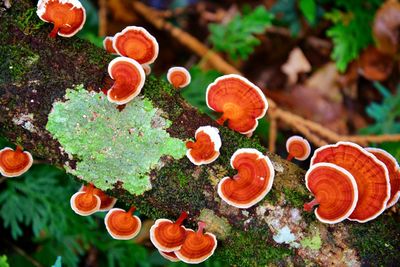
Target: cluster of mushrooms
(351, 182)
(174, 241)
(347, 181)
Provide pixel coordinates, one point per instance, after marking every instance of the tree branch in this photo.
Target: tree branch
(35, 74)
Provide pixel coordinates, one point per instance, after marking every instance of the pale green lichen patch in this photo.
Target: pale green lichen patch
(112, 146)
(215, 224)
(314, 241)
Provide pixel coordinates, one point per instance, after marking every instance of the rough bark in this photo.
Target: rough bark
(35, 71)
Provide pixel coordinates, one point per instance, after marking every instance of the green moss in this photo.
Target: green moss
(28, 21)
(112, 146)
(251, 249)
(170, 197)
(377, 241)
(161, 93)
(295, 198)
(17, 61)
(272, 197)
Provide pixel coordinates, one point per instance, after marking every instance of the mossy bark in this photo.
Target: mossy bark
(36, 70)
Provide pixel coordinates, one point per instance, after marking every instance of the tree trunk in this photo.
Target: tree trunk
(35, 72)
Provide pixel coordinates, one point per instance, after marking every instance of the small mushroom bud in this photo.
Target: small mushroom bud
(298, 148)
(107, 202)
(122, 225)
(168, 236)
(108, 45)
(179, 77)
(14, 163)
(85, 203)
(198, 246)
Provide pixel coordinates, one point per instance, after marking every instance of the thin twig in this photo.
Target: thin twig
(315, 132)
(102, 17)
(23, 254)
(273, 132)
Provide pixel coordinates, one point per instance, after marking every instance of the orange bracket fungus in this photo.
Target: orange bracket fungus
(129, 79)
(335, 191)
(206, 148)
(394, 173)
(122, 225)
(198, 246)
(68, 16)
(252, 182)
(241, 102)
(171, 256)
(86, 202)
(298, 148)
(14, 163)
(136, 43)
(108, 45)
(179, 77)
(107, 202)
(168, 236)
(371, 176)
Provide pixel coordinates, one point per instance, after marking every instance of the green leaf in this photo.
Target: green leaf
(385, 114)
(309, 10)
(58, 262)
(3, 261)
(237, 37)
(287, 15)
(351, 29)
(195, 93)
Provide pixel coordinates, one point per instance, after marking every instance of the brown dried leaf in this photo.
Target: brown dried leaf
(386, 27)
(296, 63)
(374, 65)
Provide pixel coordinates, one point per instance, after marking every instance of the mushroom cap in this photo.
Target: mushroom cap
(136, 43)
(197, 247)
(146, 68)
(394, 173)
(298, 147)
(122, 225)
(14, 163)
(107, 202)
(85, 203)
(335, 189)
(370, 174)
(171, 256)
(206, 148)
(253, 181)
(241, 102)
(108, 45)
(167, 236)
(129, 79)
(179, 77)
(70, 22)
